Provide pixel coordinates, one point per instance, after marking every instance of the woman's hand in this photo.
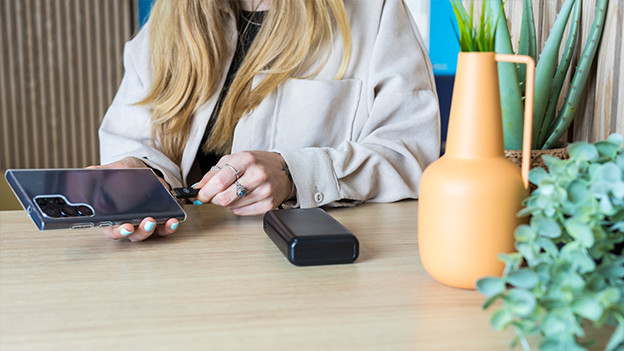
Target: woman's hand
(148, 226)
(247, 182)
(144, 230)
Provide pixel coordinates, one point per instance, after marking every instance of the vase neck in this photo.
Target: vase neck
(475, 122)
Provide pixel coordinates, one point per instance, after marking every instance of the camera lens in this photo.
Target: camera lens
(41, 201)
(59, 201)
(51, 212)
(84, 211)
(68, 211)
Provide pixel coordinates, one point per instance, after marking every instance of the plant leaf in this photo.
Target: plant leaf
(617, 338)
(464, 25)
(521, 302)
(490, 301)
(578, 191)
(500, 320)
(580, 77)
(548, 246)
(490, 286)
(545, 69)
(525, 233)
(612, 271)
(562, 72)
(527, 44)
(611, 173)
(553, 324)
(615, 139)
(580, 231)
(583, 151)
(523, 278)
(546, 227)
(587, 308)
(537, 174)
(512, 105)
(607, 149)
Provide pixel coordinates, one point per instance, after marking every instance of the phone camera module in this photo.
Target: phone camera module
(57, 206)
(51, 212)
(41, 201)
(69, 211)
(84, 211)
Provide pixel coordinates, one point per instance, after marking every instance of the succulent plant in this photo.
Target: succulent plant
(549, 125)
(568, 270)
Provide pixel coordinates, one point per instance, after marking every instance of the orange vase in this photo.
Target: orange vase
(469, 197)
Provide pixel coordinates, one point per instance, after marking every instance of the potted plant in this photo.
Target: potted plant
(549, 125)
(473, 180)
(568, 270)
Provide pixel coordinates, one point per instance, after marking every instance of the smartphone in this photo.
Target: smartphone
(310, 237)
(85, 198)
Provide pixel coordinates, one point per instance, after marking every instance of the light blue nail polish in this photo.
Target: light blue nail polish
(174, 226)
(125, 232)
(192, 186)
(149, 226)
(197, 203)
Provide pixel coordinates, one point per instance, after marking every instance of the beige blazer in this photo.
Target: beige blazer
(366, 137)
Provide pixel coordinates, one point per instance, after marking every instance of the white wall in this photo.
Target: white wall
(420, 12)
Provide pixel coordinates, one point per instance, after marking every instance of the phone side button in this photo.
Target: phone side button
(105, 224)
(82, 226)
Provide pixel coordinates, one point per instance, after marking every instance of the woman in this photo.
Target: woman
(261, 103)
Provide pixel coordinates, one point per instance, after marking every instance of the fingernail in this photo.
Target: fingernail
(125, 232)
(197, 203)
(192, 186)
(149, 226)
(174, 226)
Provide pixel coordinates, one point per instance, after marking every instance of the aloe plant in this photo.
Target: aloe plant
(548, 124)
(510, 86)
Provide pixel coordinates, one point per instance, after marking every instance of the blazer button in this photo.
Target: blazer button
(318, 197)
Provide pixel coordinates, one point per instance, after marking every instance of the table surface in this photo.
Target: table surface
(220, 283)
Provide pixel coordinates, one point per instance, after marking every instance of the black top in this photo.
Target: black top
(248, 25)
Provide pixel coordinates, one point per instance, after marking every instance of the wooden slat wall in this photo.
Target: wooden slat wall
(60, 65)
(603, 112)
(602, 109)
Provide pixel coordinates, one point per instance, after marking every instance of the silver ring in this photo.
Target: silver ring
(234, 170)
(215, 167)
(240, 189)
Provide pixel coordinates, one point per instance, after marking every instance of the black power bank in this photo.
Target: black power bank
(310, 236)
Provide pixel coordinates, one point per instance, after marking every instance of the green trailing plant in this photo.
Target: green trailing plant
(549, 124)
(568, 271)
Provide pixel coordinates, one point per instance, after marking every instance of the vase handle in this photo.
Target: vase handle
(528, 109)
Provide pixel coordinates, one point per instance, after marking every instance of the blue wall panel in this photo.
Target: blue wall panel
(443, 46)
(144, 7)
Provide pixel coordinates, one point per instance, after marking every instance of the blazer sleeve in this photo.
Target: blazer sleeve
(385, 159)
(126, 127)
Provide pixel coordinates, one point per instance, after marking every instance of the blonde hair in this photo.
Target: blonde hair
(188, 42)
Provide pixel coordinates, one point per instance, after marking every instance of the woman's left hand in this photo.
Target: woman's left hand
(247, 182)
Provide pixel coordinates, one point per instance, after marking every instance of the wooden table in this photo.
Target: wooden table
(219, 283)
